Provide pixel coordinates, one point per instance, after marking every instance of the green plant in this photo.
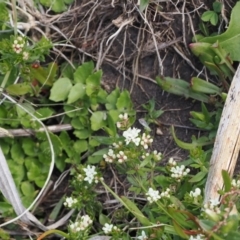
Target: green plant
(212, 15)
(166, 201)
(56, 6)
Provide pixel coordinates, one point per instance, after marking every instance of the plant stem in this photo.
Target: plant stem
(14, 16)
(5, 80)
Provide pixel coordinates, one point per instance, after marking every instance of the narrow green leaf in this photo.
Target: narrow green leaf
(227, 180)
(200, 85)
(198, 177)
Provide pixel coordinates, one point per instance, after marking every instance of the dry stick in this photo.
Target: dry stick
(29, 132)
(154, 40)
(227, 143)
(184, 27)
(136, 60)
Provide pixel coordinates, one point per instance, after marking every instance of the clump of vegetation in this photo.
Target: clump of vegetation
(69, 122)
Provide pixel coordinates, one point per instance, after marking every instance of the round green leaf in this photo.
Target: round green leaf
(60, 89)
(76, 92)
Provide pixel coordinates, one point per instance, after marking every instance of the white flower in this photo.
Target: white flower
(107, 228)
(25, 55)
(143, 236)
(121, 157)
(81, 224)
(131, 135)
(172, 162)
(90, 173)
(110, 156)
(214, 202)
(146, 140)
(157, 155)
(69, 202)
(197, 237)
(235, 183)
(166, 193)
(123, 123)
(179, 172)
(195, 193)
(153, 195)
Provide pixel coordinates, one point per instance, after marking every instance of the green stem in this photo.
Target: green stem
(6, 77)
(14, 16)
(53, 231)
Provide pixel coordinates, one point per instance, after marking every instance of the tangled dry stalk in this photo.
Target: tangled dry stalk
(118, 34)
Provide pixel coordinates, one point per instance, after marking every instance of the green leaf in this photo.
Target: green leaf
(27, 189)
(217, 6)
(60, 90)
(29, 147)
(21, 110)
(80, 146)
(124, 101)
(210, 16)
(18, 171)
(17, 153)
(227, 180)
(98, 120)
(181, 88)
(143, 4)
(82, 134)
(45, 75)
(76, 92)
(44, 112)
(202, 86)
(229, 40)
(104, 219)
(112, 99)
(83, 72)
(93, 83)
(19, 89)
(198, 177)
(188, 146)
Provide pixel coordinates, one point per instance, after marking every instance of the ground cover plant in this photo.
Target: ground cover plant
(61, 122)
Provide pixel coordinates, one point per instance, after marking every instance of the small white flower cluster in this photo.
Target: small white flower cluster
(179, 172)
(143, 236)
(131, 135)
(157, 156)
(18, 45)
(166, 193)
(123, 121)
(110, 156)
(197, 237)
(196, 193)
(81, 224)
(172, 162)
(153, 195)
(90, 174)
(69, 202)
(235, 183)
(121, 157)
(108, 228)
(211, 208)
(146, 140)
(117, 145)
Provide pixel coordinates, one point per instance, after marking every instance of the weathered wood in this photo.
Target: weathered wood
(227, 143)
